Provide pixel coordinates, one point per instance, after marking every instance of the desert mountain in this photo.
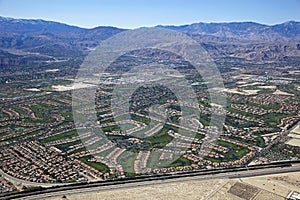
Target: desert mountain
(22, 40)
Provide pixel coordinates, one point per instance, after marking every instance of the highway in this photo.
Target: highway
(121, 184)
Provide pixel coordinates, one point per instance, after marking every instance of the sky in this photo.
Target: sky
(138, 13)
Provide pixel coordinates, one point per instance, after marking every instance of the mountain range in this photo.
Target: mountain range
(24, 41)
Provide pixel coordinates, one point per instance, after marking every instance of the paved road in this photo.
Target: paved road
(228, 175)
(276, 140)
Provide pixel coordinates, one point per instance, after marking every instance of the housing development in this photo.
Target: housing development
(41, 145)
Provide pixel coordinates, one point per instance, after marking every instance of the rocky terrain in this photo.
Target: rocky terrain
(27, 42)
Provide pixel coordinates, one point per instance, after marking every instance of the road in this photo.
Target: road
(276, 140)
(226, 175)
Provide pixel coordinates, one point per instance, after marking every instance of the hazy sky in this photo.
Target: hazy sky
(137, 13)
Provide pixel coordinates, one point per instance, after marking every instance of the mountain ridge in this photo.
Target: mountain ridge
(246, 40)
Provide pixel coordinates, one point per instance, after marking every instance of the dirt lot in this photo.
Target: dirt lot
(294, 142)
(267, 87)
(279, 92)
(244, 92)
(296, 130)
(275, 187)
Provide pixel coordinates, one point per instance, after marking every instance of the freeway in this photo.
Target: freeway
(123, 184)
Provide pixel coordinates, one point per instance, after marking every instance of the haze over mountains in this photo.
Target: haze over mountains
(23, 42)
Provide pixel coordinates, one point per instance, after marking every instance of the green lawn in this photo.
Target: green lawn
(140, 119)
(61, 136)
(258, 141)
(111, 128)
(19, 110)
(274, 119)
(160, 139)
(66, 146)
(127, 159)
(235, 152)
(96, 165)
(181, 162)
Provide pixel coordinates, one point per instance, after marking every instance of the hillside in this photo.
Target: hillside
(22, 40)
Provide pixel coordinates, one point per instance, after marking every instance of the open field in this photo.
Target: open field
(279, 92)
(71, 87)
(250, 84)
(243, 76)
(267, 87)
(295, 137)
(274, 187)
(294, 72)
(296, 130)
(243, 92)
(294, 142)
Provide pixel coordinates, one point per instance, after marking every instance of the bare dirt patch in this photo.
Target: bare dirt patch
(275, 187)
(244, 92)
(279, 92)
(61, 88)
(267, 86)
(280, 184)
(297, 136)
(33, 89)
(267, 195)
(243, 191)
(294, 142)
(244, 76)
(296, 130)
(52, 70)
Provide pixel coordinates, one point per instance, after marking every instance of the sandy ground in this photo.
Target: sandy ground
(294, 135)
(296, 130)
(33, 89)
(267, 87)
(52, 70)
(294, 72)
(274, 187)
(243, 76)
(294, 142)
(61, 88)
(280, 185)
(251, 84)
(244, 92)
(216, 105)
(241, 82)
(250, 92)
(282, 93)
(234, 91)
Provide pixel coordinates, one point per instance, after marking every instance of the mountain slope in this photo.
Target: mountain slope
(246, 40)
(243, 30)
(50, 38)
